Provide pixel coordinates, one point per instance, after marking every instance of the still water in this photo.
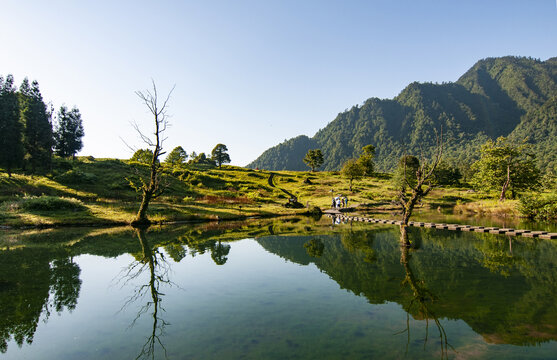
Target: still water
(276, 290)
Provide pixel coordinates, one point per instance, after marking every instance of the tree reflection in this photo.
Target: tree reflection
(497, 258)
(314, 247)
(34, 283)
(421, 298)
(65, 284)
(152, 261)
(361, 241)
(218, 250)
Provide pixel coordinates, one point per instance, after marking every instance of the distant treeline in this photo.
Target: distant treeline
(28, 137)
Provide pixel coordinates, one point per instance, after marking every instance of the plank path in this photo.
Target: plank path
(454, 227)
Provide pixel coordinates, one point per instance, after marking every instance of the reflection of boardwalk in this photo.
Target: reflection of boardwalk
(454, 227)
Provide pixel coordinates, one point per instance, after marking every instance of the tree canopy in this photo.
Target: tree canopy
(314, 159)
(28, 139)
(37, 134)
(220, 155)
(202, 159)
(68, 132)
(366, 160)
(505, 166)
(143, 156)
(352, 170)
(11, 129)
(177, 156)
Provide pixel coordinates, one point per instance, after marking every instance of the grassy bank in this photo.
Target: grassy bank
(90, 191)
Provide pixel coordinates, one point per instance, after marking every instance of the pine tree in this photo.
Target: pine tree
(68, 133)
(220, 155)
(11, 143)
(37, 135)
(176, 157)
(143, 156)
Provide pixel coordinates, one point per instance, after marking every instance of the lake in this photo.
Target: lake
(294, 288)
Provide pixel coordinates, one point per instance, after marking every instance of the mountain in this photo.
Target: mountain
(507, 96)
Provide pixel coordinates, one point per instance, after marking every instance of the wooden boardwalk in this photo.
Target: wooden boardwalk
(454, 227)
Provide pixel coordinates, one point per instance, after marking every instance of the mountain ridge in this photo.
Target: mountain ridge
(495, 97)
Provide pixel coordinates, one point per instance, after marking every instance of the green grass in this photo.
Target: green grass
(98, 191)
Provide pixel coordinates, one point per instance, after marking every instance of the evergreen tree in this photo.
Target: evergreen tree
(220, 155)
(37, 136)
(144, 156)
(314, 159)
(176, 157)
(11, 143)
(68, 133)
(201, 158)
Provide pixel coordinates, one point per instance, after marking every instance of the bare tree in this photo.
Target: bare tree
(150, 189)
(408, 199)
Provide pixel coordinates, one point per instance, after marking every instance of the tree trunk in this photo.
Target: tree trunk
(404, 236)
(350, 185)
(141, 218)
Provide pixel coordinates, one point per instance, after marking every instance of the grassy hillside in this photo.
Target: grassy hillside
(97, 191)
(496, 97)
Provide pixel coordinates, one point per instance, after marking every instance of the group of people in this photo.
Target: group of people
(339, 201)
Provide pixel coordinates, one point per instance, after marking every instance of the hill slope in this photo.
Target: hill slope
(496, 97)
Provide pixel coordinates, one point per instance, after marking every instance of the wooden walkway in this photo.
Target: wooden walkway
(454, 227)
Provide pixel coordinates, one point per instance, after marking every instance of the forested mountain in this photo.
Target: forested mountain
(508, 96)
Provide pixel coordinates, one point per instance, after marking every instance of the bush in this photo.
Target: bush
(77, 177)
(50, 203)
(538, 208)
(62, 164)
(119, 185)
(180, 173)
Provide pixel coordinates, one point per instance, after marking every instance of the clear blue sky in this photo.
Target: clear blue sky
(250, 74)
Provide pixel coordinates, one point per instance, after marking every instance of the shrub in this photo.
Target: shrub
(77, 177)
(62, 164)
(50, 203)
(539, 208)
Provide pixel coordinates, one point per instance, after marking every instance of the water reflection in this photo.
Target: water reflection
(422, 298)
(502, 288)
(34, 283)
(153, 262)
